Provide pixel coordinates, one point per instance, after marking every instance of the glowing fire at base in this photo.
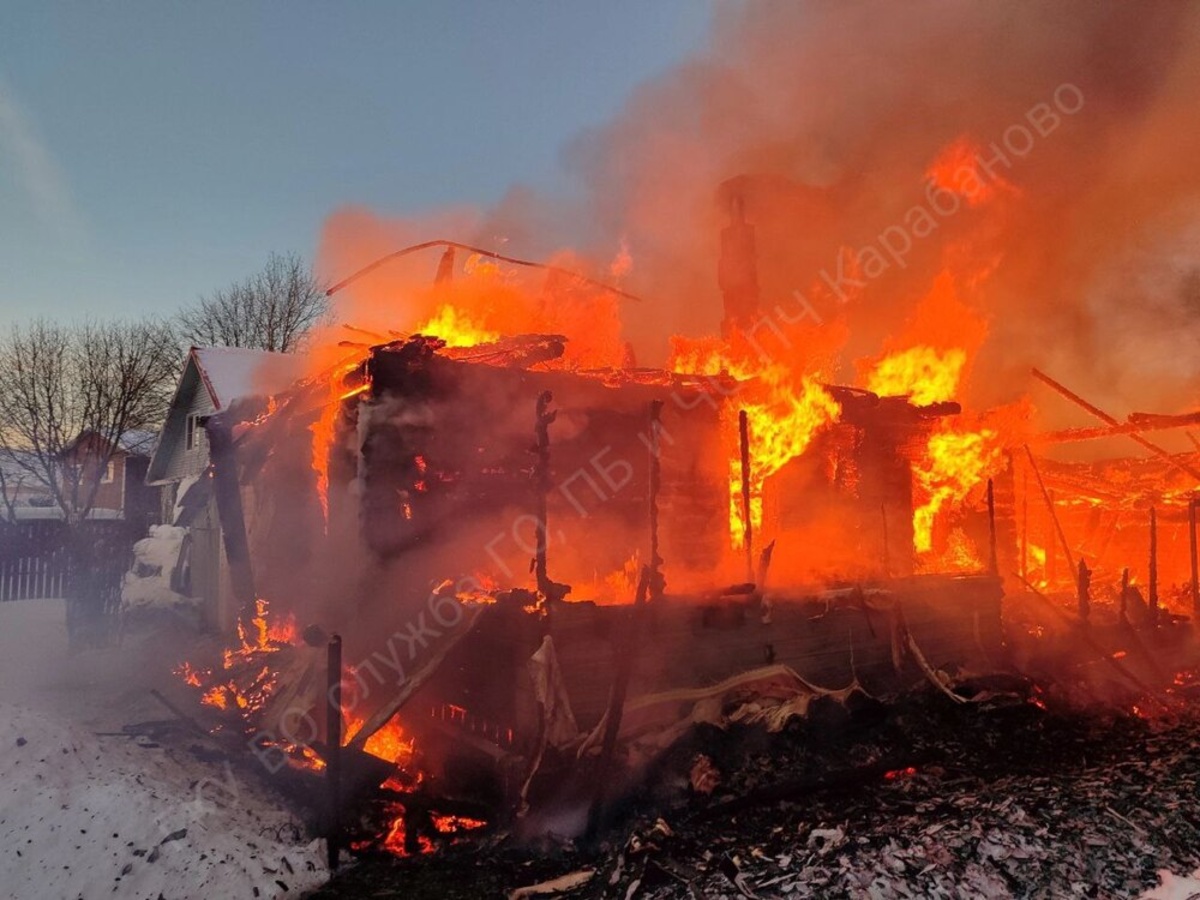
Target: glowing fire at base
(389, 743)
(396, 839)
(245, 681)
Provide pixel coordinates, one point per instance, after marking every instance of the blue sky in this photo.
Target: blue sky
(153, 151)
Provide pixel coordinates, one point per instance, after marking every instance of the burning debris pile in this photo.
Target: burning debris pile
(924, 800)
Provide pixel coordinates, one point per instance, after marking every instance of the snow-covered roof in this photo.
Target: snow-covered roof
(139, 443)
(232, 373)
(134, 442)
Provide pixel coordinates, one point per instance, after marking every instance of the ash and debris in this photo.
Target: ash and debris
(918, 798)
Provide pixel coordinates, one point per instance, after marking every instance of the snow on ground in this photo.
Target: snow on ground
(86, 815)
(1175, 887)
(148, 584)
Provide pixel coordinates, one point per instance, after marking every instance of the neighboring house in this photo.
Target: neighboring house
(122, 492)
(213, 379)
(22, 492)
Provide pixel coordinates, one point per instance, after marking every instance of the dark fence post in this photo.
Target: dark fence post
(333, 732)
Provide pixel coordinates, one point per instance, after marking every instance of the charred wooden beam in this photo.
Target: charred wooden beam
(543, 418)
(1192, 553)
(1153, 566)
(1051, 545)
(616, 704)
(228, 493)
(657, 583)
(1113, 423)
(1083, 590)
(1053, 515)
(993, 559)
(491, 254)
(180, 714)
(764, 566)
(1136, 424)
(417, 680)
(445, 269)
(541, 429)
(1024, 567)
(1123, 600)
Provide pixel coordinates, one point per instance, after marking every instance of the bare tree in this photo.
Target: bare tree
(60, 382)
(271, 310)
(11, 481)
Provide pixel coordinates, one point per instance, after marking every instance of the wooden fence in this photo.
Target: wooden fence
(34, 558)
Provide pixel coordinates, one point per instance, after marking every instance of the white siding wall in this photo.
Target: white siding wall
(178, 461)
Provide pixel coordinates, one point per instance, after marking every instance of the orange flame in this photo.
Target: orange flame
(954, 463)
(924, 374)
(456, 328)
(324, 428)
(785, 410)
(389, 743)
(257, 684)
(957, 170)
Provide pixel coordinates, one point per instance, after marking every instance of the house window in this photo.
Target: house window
(106, 477)
(195, 431)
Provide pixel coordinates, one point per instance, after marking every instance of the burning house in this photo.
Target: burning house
(545, 565)
(694, 538)
(541, 558)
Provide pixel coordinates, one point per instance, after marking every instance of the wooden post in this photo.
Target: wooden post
(1192, 548)
(1123, 600)
(993, 559)
(1083, 590)
(657, 584)
(626, 657)
(333, 741)
(887, 563)
(1049, 498)
(1153, 566)
(228, 494)
(1024, 523)
(748, 529)
(1051, 544)
(542, 486)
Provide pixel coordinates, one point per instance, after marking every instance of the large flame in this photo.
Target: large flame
(456, 328)
(955, 462)
(390, 742)
(324, 428)
(924, 374)
(785, 409)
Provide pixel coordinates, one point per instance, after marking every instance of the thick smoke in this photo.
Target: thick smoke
(1083, 262)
